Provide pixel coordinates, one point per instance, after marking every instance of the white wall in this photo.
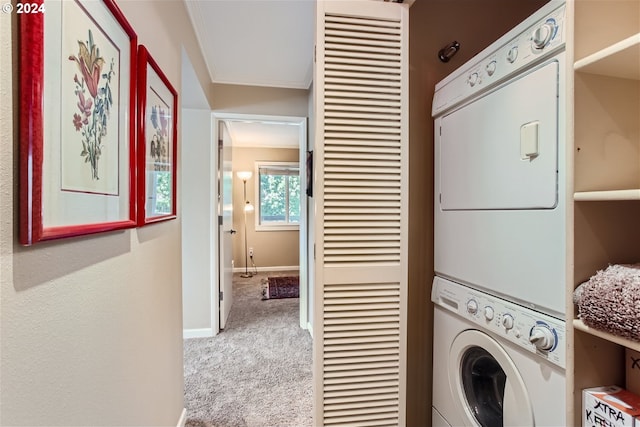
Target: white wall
(91, 327)
(199, 248)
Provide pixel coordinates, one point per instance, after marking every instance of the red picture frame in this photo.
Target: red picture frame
(157, 142)
(77, 121)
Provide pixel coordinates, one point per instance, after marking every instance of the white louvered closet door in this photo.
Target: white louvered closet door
(361, 101)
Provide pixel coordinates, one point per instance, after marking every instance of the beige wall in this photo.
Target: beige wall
(259, 100)
(434, 24)
(271, 248)
(91, 327)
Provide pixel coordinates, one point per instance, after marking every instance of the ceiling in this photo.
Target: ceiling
(264, 133)
(256, 42)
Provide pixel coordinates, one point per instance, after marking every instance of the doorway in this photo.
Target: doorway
(261, 132)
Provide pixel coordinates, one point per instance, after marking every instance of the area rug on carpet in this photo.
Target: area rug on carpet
(281, 287)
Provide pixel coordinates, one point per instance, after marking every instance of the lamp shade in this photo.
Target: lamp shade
(244, 175)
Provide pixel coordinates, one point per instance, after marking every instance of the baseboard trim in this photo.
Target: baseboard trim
(183, 418)
(310, 329)
(197, 333)
(261, 269)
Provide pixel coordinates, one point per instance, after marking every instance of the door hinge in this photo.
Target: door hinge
(219, 219)
(440, 130)
(221, 295)
(315, 50)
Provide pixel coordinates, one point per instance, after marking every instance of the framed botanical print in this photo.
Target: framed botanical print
(157, 142)
(77, 125)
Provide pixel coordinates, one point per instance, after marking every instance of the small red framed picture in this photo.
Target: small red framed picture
(157, 142)
(77, 124)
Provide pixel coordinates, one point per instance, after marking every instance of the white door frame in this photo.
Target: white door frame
(303, 247)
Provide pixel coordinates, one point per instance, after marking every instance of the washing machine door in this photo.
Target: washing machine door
(486, 385)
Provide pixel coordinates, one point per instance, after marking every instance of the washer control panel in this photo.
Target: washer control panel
(533, 41)
(536, 332)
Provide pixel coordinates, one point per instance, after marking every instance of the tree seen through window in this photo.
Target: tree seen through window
(279, 194)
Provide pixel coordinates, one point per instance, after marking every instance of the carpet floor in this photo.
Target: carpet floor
(255, 373)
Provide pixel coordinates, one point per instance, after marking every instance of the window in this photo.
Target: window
(278, 196)
(159, 202)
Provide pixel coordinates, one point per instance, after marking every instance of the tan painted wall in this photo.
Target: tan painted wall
(259, 100)
(434, 24)
(91, 327)
(271, 248)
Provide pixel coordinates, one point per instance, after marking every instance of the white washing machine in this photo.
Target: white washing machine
(500, 175)
(495, 363)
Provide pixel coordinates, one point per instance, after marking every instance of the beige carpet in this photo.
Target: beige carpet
(257, 372)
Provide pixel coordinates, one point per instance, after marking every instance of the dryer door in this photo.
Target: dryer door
(501, 150)
(486, 384)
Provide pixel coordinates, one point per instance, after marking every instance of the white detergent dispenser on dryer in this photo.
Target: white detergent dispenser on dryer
(500, 192)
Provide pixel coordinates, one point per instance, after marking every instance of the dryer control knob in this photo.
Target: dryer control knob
(542, 338)
(512, 55)
(473, 79)
(472, 306)
(543, 34)
(507, 321)
(491, 68)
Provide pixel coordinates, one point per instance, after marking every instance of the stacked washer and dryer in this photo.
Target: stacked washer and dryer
(500, 227)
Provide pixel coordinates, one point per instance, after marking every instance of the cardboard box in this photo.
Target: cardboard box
(610, 406)
(632, 369)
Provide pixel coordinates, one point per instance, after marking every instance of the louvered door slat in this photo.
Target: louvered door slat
(330, 244)
(382, 51)
(349, 418)
(357, 232)
(357, 399)
(381, 203)
(362, 132)
(362, 368)
(377, 85)
(356, 19)
(360, 152)
(361, 146)
(363, 64)
(374, 73)
(351, 95)
(356, 138)
(335, 239)
(352, 333)
(379, 92)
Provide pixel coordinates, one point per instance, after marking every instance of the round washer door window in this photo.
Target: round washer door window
(486, 384)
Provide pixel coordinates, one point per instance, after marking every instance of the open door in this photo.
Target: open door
(225, 222)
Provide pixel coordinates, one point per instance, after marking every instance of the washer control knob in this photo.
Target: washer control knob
(507, 321)
(488, 313)
(491, 68)
(472, 306)
(512, 55)
(542, 337)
